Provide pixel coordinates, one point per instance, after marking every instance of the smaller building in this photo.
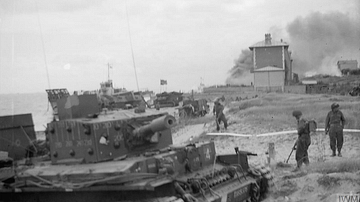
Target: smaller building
(309, 82)
(345, 66)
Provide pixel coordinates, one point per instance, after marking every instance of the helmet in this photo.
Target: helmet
(334, 105)
(296, 113)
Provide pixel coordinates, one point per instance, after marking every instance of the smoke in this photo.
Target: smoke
(319, 40)
(316, 41)
(240, 73)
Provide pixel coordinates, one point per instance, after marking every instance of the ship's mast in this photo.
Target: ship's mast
(132, 51)
(109, 71)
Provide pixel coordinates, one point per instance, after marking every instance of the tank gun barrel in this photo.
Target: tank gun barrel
(159, 124)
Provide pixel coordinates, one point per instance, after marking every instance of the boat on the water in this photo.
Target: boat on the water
(107, 96)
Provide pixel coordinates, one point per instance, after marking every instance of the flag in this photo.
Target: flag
(163, 82)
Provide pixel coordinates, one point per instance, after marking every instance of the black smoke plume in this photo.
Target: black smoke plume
(240, 73)
(316, 41)
(319, 40)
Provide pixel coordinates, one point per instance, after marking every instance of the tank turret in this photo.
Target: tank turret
(109, 136)
(83, 134)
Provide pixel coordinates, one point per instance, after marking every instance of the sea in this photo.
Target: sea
(36, 104)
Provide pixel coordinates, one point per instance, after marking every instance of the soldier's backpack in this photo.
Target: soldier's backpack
(311, 125)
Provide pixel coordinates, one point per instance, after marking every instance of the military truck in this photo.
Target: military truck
(193, 108)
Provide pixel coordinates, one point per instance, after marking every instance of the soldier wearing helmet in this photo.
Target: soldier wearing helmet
(334, 125)
(303, 142)
(219, 114)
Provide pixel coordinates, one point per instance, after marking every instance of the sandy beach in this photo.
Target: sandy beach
(323, 180)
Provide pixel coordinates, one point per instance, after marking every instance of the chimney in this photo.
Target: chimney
(267, 39)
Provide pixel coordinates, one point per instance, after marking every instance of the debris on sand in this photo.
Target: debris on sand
(283, 165)
(328, 181)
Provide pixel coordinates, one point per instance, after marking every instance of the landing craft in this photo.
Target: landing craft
(107, 96)
(126, 155)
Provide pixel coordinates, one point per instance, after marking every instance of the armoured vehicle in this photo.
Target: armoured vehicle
(166, 99)
(127, 155)
(193, 108)
(111, 97)
(355, 91)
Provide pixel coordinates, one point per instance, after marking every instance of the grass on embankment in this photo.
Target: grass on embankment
(276, 109)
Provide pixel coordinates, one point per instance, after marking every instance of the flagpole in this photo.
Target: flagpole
(108, 71)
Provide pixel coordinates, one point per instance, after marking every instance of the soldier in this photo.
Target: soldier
(334, 125)
(303, 142)
(157, 106)
(218, 112)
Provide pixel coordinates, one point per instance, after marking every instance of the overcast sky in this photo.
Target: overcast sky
(68, 43)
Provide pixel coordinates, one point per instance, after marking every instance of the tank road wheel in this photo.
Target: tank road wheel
(255, 192)
(264, 179)
(254, 172)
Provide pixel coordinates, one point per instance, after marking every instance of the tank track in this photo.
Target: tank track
(161, 199)
(265, 181)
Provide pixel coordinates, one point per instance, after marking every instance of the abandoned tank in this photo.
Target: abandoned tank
(127, 155)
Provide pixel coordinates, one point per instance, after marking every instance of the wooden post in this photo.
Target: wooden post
(271, 157)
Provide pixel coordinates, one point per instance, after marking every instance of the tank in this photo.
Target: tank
(170, 99)
(128, 155)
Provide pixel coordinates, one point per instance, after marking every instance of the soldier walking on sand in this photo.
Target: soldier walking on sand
(219, 115)
(334, 125)
(303, 142)
(157, 106)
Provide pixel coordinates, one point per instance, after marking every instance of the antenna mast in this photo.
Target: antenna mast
(43, 45)
(108, 72)
(132, 51)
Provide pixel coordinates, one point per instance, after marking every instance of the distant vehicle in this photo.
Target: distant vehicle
(355, 91)
(122, 100)
(171, 99)
(194, 108)
(111, 97)
(107, 95)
